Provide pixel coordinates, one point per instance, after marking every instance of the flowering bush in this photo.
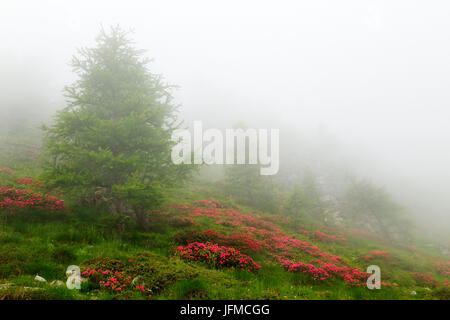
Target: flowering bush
(365, 234)
(424, 280)
(352, 276)
(240, 241)
(4, 172)
(305, 232)
(323, 237)
(25, 181)
(208, 204)
(12, 200)
(178, 222)
(188, 236)
(7, 170)
(216, 256)
(377, 254)
(255, 233)
(112, 280)
(443, 268)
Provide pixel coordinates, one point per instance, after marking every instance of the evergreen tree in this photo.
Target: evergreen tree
(115, 133)
(371, 207)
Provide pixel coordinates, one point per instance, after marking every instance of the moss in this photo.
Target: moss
(64, 255)
(32, 293)
(191, 289)
(441, 293)
(156, 272)
(104, 263)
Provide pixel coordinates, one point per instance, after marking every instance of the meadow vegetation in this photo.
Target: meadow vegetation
(101, 193)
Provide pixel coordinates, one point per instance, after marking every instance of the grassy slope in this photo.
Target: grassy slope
(46, 246)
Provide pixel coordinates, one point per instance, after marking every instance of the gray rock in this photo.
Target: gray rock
(6, 285)
(39, 278)
(57, 283)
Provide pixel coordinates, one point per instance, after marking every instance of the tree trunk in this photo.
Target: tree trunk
(142, 218)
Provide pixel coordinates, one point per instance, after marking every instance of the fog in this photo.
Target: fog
(363, 85)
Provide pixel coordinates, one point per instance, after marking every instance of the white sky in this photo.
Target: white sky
(374, 74)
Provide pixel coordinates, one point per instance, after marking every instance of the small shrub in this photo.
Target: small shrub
(178, 222)
(88, 235)
(64, 255)
(242, 242)
(104, 263)
(188, 236)
(191, 289)
(149, 271)
(323, 237)
(114, 223)
(216, 256)
(424, 280)
(48, 270)
(378, 255)
(443, 268)
(441, 293)
(14, 200)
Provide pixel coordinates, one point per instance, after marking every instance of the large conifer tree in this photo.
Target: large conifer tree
(115, 133)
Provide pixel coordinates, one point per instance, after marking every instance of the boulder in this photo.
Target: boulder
(39, 278)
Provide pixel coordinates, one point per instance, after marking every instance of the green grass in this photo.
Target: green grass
(47, 246)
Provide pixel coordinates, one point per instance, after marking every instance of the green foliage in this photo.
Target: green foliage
(371, 207)
(47, 247)
(299, 204)
(187, 236)
(64, 255)
(246, 186)
(104, 263)
(191, 289)
(115, 134)
(442, 293)
(152, 271)
(114, 223)
(303, 200)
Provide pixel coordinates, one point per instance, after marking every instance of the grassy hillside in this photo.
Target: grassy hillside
(201, 249)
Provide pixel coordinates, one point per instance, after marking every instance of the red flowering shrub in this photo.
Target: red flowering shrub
(25, 181)
(377, 254)
(7, 170)
(208, 204)
(188, 236)
(242, 242)
(412, 248)
(254, 233)
(365, 234)
(443, 268)
(12, 200)
(4, 172)
(178, 222)
(216, 256)
(424, 280)
(285, 244)
(352, 276)
(31, 183)
(305, 232)
(227, 223)
(112, 280)
(323, 237)
(216, 211)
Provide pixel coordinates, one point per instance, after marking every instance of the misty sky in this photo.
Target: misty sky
(373, 75)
